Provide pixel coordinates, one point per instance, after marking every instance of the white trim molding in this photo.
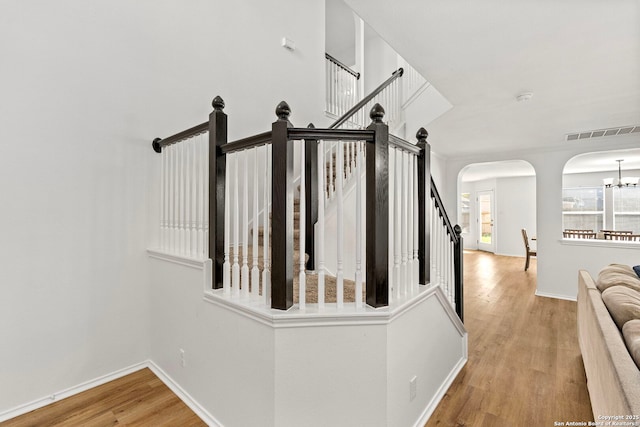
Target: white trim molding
(193, 404)
(68, 392)
(556, 296)
(87, 385)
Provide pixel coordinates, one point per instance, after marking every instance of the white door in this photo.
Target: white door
(486, 236)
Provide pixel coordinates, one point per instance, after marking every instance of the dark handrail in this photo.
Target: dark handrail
(341, 65)
(249, 142)
(331, 134)
(443, 212)
(346, 116)
(158, 143)
(403, 144)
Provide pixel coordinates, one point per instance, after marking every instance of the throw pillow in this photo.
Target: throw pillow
(636, 268)
(623, 304)
(631, 333)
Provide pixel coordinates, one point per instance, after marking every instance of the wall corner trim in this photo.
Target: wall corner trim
(556, 296)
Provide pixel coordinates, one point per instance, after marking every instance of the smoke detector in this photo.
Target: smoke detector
(524, 96)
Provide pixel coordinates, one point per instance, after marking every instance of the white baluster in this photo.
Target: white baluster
(327, 72)
(255, 271)
(244, 271)
(176, 198)
(205, 197)
(235, 267)
(194, 197)
(450, 272)
(163, 156)
(397, 225)
(416, 239)
(175, 193)
(331, 178)
(226, 266)
(186, 173)
(359, 235)
(266, 272)
(404, 219)
(322, 186)
(393, 278)
(302, 294)
(409, 241)
(340, 219)
(181, 193)
(199, 199)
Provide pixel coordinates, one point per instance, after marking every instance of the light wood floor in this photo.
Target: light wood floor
(524, 366)
(139, 399)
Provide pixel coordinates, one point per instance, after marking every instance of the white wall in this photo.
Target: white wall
(557, 262)
(515, 209)
(336, 371)
(85, 88)
(77, 85)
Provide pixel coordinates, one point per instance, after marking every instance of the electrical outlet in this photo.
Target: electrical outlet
(413, 388)
(183, 360)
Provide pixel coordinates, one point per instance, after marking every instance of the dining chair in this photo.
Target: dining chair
(579, 234)
(528, 249)
(616, 234)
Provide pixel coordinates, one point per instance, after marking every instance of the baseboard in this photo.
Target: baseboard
(71, 391)
(184, 396)
(556, 296)
(428, 411)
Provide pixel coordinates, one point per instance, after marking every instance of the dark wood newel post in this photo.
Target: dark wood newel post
(217, 173)
(458, 256)
(311, 197)
(377, 205)
(282, 211)
(424, 210)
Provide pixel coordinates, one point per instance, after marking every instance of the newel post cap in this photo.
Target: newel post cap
(217, 103)
(457, 229)
(283, 111)
(422, 135)
(377, 113)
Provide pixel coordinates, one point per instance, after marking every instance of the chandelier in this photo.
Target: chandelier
(622, 182)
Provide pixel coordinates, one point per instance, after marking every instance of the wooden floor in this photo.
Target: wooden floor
(524, 366)
(139, 399)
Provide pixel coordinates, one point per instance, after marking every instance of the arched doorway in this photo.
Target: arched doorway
(496, 201)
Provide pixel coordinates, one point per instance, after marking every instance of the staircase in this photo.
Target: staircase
(311, 279)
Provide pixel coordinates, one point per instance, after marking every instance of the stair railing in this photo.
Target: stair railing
(386, 93)
(206, 206)
(342, 86)
(446, 253)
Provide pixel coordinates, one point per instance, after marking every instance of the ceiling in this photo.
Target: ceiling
(579, 58)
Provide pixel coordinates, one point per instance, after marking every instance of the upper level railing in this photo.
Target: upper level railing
(342, 88)
(236, 203)
(386, 93)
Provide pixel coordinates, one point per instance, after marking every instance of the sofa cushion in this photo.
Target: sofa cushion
(617, 274)
(621, 268)
(623, 304)
(631, 333)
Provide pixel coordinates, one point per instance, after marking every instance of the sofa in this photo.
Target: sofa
(609, 338)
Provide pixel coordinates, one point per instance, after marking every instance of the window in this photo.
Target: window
(583, 208)
(626, 209)
(465, 205)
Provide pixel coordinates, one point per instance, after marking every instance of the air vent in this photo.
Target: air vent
(603, 132)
